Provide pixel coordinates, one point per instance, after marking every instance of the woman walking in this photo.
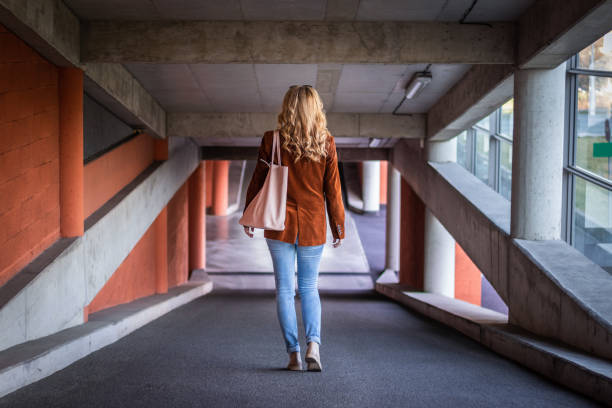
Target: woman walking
(309, 152)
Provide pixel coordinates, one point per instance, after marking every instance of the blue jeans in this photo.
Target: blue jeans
(308, 259)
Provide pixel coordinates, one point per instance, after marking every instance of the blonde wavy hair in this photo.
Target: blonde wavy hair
(302, 123)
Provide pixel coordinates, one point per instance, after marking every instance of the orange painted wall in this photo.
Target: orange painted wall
(29, 154)
(383, 182)
(412, 232)
(108, 174)
(468, 281)
(134, 278)
(178, 237)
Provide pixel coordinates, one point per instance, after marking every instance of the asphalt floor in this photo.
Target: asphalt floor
(225, 349)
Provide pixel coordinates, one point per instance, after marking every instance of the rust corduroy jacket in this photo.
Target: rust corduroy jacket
(311, 185)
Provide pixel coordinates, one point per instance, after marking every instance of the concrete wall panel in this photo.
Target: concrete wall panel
(55, 298)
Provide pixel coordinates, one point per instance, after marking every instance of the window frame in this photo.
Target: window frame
(496, 138)
(570, 169)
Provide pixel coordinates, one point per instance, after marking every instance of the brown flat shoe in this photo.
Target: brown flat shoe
(313, 358)
(295, 362)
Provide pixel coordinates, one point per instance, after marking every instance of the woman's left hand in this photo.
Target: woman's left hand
(249, 231)
(337, 243)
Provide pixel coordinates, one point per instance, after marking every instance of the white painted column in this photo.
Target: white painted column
(537, 157)
(392, 241)
(439, 268)
(371, 185)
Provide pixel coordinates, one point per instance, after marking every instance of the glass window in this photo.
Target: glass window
(593, 117)
(589, 214)
(597, 56)
(484, 123)
(482, 156)
(507, 119)
(462, 153)
(486, 149)
(592, 222)
(505, 169)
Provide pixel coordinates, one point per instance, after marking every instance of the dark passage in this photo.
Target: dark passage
(225, 349)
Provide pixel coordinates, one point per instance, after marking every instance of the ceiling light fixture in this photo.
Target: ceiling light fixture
(416, 85)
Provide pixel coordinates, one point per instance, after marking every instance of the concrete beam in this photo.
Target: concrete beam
(47, 25)
(54, 31)
(347, 154)
(551, 289)
(200, 126)
(548, 34)
(114, 87)
(297, 42)
(482, 89)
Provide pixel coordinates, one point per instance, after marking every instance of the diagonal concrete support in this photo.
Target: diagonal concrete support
(301, 42)
(549, 34)
(481, 90)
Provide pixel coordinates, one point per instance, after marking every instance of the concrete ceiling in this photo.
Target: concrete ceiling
(356, 88)
(362, 10)
(359, 88)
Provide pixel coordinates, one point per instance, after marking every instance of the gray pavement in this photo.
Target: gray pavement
(226, 350)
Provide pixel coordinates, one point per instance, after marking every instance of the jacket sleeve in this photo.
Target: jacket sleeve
(333, 192)
(260, 173)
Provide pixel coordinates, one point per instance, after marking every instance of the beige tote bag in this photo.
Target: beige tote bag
(267, 209)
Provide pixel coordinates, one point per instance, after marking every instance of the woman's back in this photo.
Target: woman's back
(310, 184)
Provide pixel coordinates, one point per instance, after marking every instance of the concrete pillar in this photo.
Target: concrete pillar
(71, 152)
(161, 251)
(439, 265)
(371, 185)
(220, 186)
(392, 241)
(197, 218)
(537, 156)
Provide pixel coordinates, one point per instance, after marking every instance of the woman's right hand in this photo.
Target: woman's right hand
(249, 231)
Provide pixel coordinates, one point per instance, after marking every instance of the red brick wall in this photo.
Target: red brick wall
(29, 154)
(178, 237)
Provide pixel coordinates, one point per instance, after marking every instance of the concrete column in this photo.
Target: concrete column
(161, 251)
(71, 151)
(439, 264)
(197, 218)
(370, 185)
(537, 156)
(392, 241)
(220, 186)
